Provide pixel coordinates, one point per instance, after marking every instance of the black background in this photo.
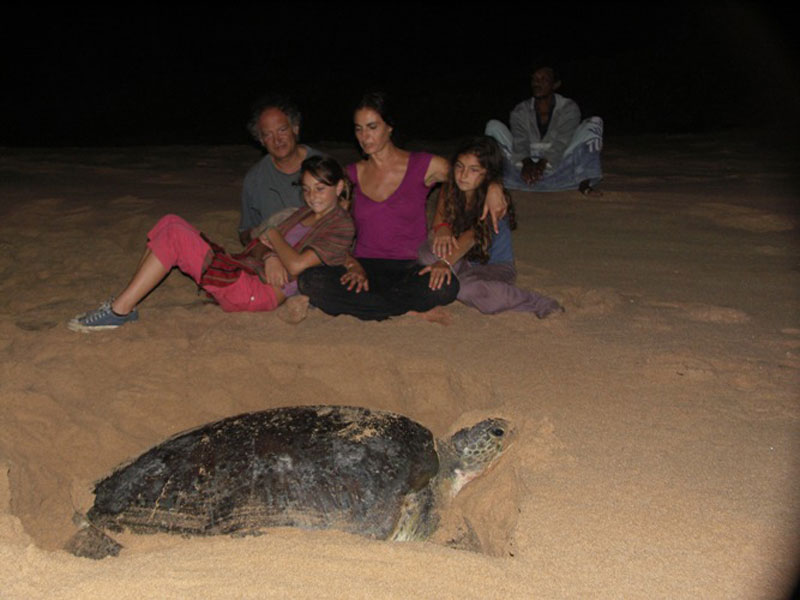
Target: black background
(136, 74)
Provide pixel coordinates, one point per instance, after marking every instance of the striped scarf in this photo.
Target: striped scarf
(331, 238)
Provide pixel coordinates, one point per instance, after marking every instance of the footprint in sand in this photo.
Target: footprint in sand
(544, 448)
(669, 366)
(672, 367)
(715, 314)
(652, 324)
(789, 347)
(598, 301)
(771, 251)
(743, 217)
(45, 316)
(705, 313)
(36, 325)
(131, 202)
(7, 256)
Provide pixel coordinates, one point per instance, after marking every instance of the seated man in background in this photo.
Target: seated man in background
(270, 186)
(548, 148)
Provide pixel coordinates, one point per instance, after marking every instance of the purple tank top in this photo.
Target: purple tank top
(294, 235)
(396, 227)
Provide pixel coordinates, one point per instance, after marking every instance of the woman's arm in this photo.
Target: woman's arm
(437, 171)
(442, 270)
(442, 240)
(495, 205)
(463, 244)
(443, 243)
(355, 277)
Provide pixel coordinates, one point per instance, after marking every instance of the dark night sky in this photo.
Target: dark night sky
(166, 75)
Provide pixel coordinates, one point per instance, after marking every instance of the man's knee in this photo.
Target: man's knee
(500, 133)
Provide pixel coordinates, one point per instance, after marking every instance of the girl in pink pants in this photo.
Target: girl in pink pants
(258, 279)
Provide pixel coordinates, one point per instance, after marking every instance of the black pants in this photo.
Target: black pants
(395, 287)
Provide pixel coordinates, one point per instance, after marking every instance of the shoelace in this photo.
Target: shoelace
(98, 313)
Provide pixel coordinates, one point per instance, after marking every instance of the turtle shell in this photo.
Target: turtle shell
(314, 467)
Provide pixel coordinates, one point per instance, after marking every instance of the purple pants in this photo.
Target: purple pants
(491, 289)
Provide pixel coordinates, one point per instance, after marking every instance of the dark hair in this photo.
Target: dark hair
(327, 170)
(456, 213)
(379, 102)
(272, 100)
(553, 71)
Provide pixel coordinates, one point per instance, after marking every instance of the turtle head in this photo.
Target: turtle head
(476, 448)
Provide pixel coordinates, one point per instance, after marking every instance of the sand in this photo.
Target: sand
(657, 419)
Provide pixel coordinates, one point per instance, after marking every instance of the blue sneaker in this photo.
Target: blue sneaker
(101, 318)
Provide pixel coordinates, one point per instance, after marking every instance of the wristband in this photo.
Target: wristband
(447, 262)
(440, 225)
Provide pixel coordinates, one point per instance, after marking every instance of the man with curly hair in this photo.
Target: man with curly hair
(270, 186)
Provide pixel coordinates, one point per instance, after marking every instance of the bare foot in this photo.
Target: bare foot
(551, 312)
(435, 315)
(294, 310)
(586, 189)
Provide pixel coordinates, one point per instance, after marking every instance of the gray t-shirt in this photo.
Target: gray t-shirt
(267, 191)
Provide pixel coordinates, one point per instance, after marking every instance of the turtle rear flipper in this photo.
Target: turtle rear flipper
(90, 542)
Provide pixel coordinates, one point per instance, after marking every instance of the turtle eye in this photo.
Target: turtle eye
(498, 432)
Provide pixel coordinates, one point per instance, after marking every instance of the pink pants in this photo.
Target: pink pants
(177, 244)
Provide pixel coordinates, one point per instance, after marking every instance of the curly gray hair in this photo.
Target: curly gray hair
(271, 100)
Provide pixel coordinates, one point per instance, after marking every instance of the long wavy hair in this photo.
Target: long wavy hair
(456, 213)
(327, 170)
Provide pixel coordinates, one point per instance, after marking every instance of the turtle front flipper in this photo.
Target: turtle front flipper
(91, 542)
(418, 519)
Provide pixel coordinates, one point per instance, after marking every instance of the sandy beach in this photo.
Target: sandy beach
(657, 420)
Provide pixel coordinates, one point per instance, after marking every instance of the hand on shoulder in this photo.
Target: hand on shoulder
(496, 205)
(496, 191)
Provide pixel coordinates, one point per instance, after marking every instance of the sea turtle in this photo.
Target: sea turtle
(369, 472)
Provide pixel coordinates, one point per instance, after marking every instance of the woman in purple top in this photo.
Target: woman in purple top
(382, 278)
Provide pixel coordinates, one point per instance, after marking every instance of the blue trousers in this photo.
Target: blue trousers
(581, 159)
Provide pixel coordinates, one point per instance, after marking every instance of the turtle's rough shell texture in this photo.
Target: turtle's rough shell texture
(314, 467)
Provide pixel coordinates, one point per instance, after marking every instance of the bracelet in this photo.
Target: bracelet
(447, 262)
(440, 225)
